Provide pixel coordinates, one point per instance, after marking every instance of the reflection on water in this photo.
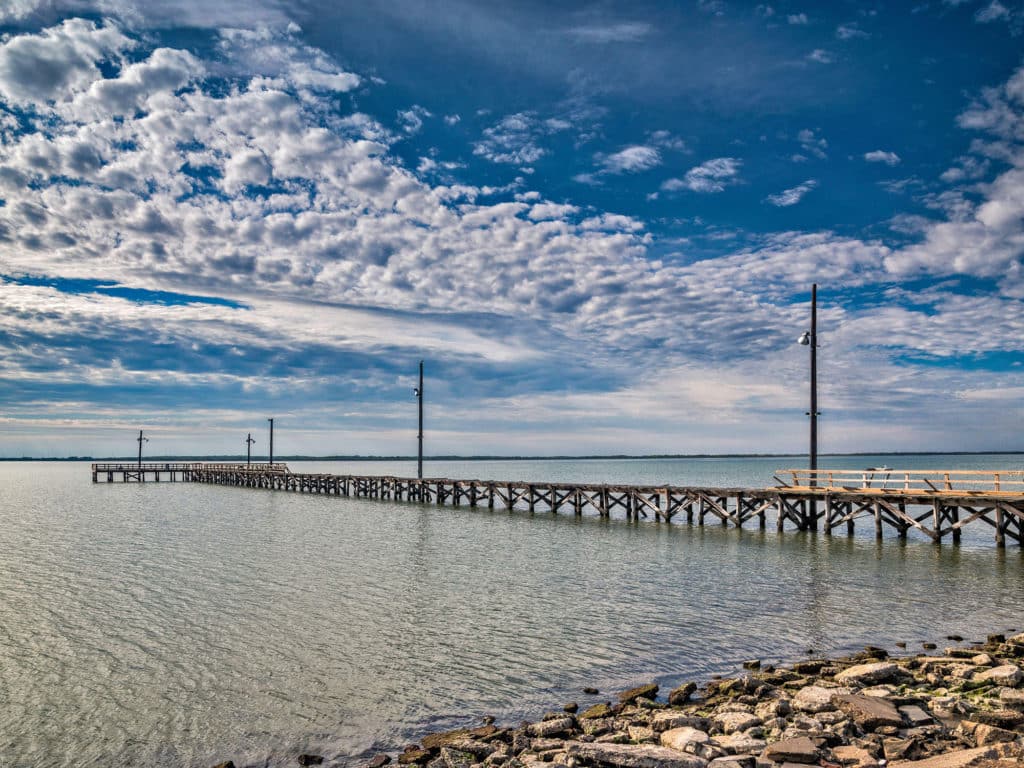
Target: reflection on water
(178, 624)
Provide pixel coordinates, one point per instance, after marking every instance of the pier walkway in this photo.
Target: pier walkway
(936, 503)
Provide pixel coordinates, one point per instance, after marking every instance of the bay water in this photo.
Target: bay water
(178, 624)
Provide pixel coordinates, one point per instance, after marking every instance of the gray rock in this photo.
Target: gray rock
(915, 716)
(635, 756)
(648, 691)
(667, 720)
(870, 674)
(1011, 698)
(985, 735)
(815, 698)
(734, 761)
(1008, 675)
(546, 728)
(456, 758)
(730, 722)
(681, 738)
(868, 712)
(799, 750)
(740, 743)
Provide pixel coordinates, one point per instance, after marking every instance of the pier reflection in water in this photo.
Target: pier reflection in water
(182, 624)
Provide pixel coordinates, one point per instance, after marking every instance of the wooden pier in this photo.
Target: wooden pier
(935, 503)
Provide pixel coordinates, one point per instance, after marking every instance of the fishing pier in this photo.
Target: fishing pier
(935, 503)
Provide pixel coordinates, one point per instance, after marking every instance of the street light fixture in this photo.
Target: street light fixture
(810, 339)
(418, 391)
(248, 449)
(140, 440)
(271, 440)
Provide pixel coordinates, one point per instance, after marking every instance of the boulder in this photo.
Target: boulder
(1008, 675)
(734, 761)
(740, 743)
(868, 712)
(681, 738)
(634, 756)
(647, 691)
(854, 757)
(1001, 718)
(900, 749)
(596, 711)
(225, 764)
(456, 758)
(307, 760)
(730, 722)
(799, 750)
(915, 716)
(870, 674)
(547, 728)
(991, 734)
(378, 761)
(682, 694)
(415, 755)
(668, 719)
(1011, 698)
(814, 698)
(963, 758)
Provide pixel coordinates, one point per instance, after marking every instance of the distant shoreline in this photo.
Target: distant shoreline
(590, 457)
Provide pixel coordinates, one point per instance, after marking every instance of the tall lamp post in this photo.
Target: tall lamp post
(248, 449)
(810, 339)
(419, 397)
(140, 440)
(271, 440)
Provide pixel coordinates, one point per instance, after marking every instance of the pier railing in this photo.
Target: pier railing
(933, 503)
(917, 482)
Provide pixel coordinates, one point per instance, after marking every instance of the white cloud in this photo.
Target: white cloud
(799, 19)
(58, 63)
(630, 160)
(881, 156)
(412, 119)
(851, 32)
(710, 176)
(812, 144)
(622, 32)
(793, 195)
(821, 56)
(994, 11)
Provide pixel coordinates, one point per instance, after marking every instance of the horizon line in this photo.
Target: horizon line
(495, 457)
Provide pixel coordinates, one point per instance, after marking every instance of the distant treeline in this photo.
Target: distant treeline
(609, 457)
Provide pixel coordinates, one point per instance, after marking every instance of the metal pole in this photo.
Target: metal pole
(814, 400)
(248, 449)
(419, 461)
(271, 440)
(140, 439)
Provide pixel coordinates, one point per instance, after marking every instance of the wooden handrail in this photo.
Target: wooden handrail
(908, 481)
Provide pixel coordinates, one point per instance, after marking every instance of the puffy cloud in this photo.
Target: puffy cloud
(631, 160)
(793, 195)
(881, 156)
(710, 176)
(812, 144)
(798, 19)
(58, 63)
(821, 56)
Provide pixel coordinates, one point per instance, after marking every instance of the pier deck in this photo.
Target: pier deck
(935, 503)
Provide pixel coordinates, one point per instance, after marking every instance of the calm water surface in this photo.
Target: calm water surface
(174, 625)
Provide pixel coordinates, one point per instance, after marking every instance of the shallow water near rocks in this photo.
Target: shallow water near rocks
(177, 624)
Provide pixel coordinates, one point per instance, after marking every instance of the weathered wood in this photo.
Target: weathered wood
(932, 509)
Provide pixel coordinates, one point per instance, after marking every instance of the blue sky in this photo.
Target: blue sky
(598, 223)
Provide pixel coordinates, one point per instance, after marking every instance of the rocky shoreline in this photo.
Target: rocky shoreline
(962, 708)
